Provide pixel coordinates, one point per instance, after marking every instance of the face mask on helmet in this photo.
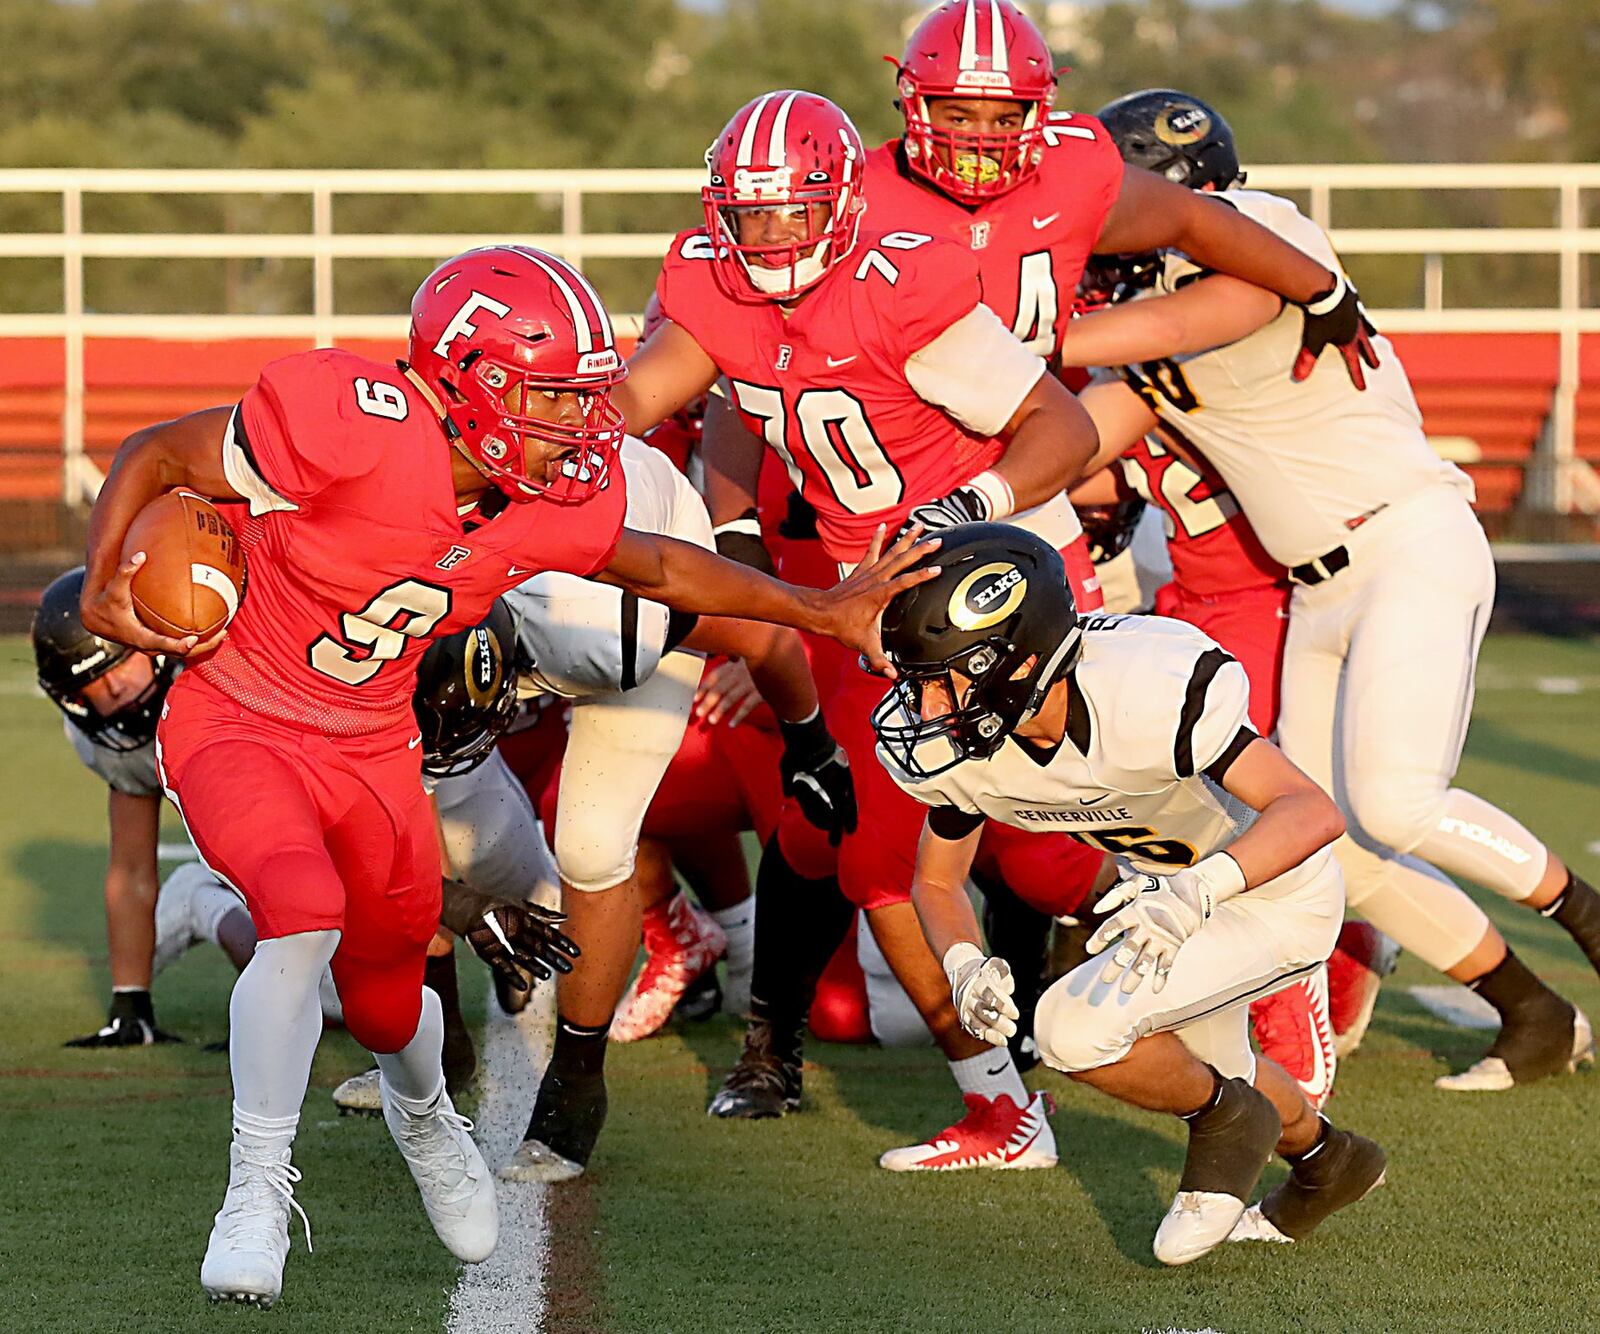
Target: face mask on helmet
(1108, 279)
(518, 350)
(782, 204)
(966, 54)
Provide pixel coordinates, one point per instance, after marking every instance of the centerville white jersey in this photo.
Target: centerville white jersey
(1308, 462)
(1154, 704)
(586, 638)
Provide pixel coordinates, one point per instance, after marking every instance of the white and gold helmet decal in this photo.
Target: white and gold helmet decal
(987, 596)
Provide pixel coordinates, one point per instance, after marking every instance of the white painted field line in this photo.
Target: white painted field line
(507, 1291)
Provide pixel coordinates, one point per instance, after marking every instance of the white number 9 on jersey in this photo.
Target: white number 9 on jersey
(372, 634)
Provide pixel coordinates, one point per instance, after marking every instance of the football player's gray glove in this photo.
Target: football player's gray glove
(987, 496)
(514, 939)
(981, 990)
(1155, 914)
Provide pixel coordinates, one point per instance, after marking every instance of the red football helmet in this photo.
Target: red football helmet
(976, 49)
(785, 149)
(494, 327)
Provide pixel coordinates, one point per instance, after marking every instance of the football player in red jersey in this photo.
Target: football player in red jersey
(396, 502)
(892, 393)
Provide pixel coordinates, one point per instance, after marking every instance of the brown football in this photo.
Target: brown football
(193, 577)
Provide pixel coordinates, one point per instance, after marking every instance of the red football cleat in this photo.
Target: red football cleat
(1360, 961)
(1292, 1028)
(681, 943)
(994, 1133)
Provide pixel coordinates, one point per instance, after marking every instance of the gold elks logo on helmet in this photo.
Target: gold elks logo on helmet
(1182, 125)
(482, 666)
(987, 596)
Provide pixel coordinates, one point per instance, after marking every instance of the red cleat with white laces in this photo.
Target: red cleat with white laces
(681, 944)
(994, 1133)
(1360, 961)
(1292, 1027)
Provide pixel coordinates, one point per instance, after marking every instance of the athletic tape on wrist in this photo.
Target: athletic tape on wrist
(1219, 877)
(996, 492)
(1323, 304)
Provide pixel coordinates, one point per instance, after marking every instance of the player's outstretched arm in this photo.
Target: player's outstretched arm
(664, 374)
(1209, 313)
(186, 452)
(690, 578)
(1152, 213)
(1297, 817)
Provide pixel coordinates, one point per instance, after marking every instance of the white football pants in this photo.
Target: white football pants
(1377, 693)
(493, 837)
(1254, 944)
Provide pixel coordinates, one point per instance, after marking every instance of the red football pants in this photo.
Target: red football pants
(318, 834)
(1252, 624)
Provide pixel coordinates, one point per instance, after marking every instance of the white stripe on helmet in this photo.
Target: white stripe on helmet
(777, 145)
(969, 38)
(997, 40)
(747, 140)
(566, 283)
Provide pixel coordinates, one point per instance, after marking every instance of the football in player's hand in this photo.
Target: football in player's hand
(193, 576)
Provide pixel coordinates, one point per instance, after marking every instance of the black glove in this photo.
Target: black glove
(514, 939)
(131, 1022)
(816, 773)
(740, 540)
(1337, 318)
(966, 504)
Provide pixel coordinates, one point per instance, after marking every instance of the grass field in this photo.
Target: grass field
(111, 1165)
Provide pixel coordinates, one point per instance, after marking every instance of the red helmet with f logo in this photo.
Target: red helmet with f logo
(967, 50)
(787, 153)
(517, 348)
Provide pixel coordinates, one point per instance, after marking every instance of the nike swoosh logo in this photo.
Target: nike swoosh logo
(1041, 223)
(512, 572)
(1093, 801)
(842, 361)
(414, 742)
(1011, 1155)
(997, 1069)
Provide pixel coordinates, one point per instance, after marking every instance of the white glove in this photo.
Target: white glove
(981, 991)
(987, 496)
(1155, 914)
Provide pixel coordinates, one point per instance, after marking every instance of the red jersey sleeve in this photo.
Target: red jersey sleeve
(936, 283)
(300, 428)
(687, 285)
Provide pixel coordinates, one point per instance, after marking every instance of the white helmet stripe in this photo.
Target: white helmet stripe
(564, 285)
(969, 38)
(997, 40)
(747, 140)
(777, 145)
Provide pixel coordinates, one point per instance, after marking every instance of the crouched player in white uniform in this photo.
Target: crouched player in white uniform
(1394, 585)
(630, 668)
(1131, 733)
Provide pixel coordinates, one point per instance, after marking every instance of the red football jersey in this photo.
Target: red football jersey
(1213, 548)
(358, 556)
(1031, 243)
(825, 385)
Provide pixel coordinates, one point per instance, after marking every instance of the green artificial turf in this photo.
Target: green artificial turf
(111, 1164)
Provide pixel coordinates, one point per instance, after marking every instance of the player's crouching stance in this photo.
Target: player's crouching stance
(1132, 733)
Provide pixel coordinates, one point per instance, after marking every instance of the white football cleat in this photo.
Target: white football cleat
(1253, 1225)
(1198, 1222)
(250, 1237)
(457, 1188)
(681, 943)
(995, 1133)
(536, 1161)
(1491, 1074)
(359, 1095)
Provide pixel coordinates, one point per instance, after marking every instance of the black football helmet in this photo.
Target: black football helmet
(999, 613)
(1175, 135)
(69, 657)
(1109, 528)
(466, 693)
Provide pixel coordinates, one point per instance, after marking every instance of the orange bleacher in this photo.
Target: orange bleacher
(1484, 398)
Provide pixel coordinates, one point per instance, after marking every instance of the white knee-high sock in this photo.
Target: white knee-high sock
(275, 1022)
(414, 1073)
(1485, 844)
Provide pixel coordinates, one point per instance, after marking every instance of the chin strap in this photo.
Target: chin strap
(1060, 661)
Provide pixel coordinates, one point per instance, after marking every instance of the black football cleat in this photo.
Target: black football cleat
(1341, 1170)
(763, 1083)
(568, 1116)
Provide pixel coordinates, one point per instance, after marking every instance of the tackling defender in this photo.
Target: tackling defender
(1393, 580)
(1133, 733)
(397, 503)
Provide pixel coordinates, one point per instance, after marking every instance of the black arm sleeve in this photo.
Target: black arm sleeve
(949, 823)
(1217, 770)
